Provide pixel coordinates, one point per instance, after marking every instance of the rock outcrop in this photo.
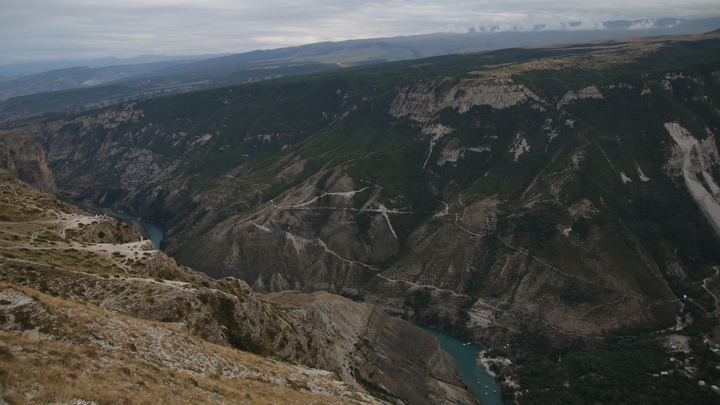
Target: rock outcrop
(694, 160)
(373, 348)
(587, 92)
(103, 230)
(422, 103)
(25, 159)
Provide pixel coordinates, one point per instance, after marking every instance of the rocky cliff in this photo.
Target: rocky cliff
(374, 348)
(25, 159)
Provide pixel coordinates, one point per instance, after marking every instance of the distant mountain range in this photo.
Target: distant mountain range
(74, 77)
(571, 29)
(152, 76)
(33, 68)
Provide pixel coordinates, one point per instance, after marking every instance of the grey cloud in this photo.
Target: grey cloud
(97, 28)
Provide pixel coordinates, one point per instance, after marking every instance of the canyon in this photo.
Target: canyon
(567, 192)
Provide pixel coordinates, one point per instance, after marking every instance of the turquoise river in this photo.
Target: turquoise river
(471, 370)
(156, 232)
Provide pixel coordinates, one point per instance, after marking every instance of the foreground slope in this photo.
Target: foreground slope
(83, 302)
(569, 189)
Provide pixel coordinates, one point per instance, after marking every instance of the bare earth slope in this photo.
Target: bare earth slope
(25, 159)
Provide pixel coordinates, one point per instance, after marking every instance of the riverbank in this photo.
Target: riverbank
(470, 366)
(153, 231)
(489, 362)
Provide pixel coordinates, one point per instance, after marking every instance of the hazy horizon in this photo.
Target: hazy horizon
(33, 30)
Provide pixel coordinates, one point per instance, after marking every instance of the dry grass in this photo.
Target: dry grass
(20, 203)
(23, 230)
(599, 55)
(596, 59)
(70, 259)
(65, 350)
(34, 371)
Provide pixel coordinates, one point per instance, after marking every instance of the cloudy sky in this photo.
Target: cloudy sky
(74, 29)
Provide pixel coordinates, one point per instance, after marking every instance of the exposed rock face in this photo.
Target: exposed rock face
(25, 159)
(587, 92)
(694, 159)
(422, 103)
(86, 145)
(293, 255)
(378, 348)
